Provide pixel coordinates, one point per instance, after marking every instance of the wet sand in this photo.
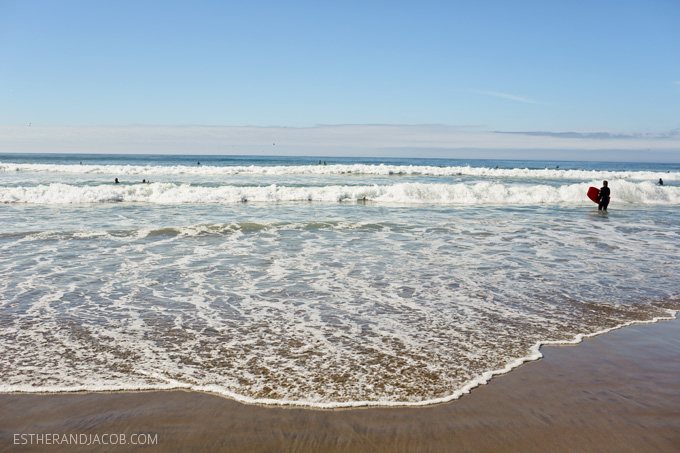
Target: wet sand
(616, 392)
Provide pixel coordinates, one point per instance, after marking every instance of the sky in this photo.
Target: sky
(535, 69)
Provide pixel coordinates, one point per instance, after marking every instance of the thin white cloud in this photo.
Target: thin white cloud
(677, 82)
(511, 97)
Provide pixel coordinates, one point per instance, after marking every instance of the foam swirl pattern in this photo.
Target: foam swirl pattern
(379, 291)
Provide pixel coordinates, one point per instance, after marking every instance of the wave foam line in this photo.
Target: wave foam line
(415, 193)
(340, 169)
(194, 230)
(172, 384)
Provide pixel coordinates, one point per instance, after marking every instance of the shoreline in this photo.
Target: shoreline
(617, 391)
(534, 355)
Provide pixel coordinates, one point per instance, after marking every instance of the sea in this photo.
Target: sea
(318, 281)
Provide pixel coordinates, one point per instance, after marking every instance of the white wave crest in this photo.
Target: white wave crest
(355, 169)
(644, 193)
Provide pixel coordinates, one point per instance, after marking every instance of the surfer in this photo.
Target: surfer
(660, 183)
(116, 181)
(603, 197)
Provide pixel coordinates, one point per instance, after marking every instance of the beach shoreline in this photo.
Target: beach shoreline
(614, 392)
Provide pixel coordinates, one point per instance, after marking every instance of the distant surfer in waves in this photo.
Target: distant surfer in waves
(116, 181)
(603, 197)
(660, 183)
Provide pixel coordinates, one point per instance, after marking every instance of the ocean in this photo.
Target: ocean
(321, 282)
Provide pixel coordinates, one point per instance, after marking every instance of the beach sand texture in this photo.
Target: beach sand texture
(615, 392)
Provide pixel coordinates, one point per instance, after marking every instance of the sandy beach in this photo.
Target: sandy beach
(357, 227)
(615, 392)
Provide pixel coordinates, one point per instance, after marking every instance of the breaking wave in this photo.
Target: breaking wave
(640, 193)
(340, 169)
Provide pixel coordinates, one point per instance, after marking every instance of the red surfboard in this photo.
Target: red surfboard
(593, 192)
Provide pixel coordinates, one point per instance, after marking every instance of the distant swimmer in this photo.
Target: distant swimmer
(198, 163)
(144, 181)
(557, 167)
(603, 197)
(660, 183)
(117, 182)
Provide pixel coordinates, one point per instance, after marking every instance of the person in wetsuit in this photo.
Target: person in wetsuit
(603, 197)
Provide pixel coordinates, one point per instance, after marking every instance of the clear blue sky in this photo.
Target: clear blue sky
(543, 65)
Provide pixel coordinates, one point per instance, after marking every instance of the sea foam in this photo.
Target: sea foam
(337, 286)
(340, 169)
(640, 193)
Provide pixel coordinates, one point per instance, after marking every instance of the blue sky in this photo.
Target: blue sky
(499, 65)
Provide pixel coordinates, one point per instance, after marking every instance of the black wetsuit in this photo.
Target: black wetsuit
(603, 198)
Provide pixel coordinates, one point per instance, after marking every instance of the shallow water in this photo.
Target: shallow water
(402, 286)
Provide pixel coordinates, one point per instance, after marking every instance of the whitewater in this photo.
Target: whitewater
(644, 193)
(329, 282)
(337, 169)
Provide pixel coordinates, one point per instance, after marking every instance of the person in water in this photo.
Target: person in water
(603, 197)
(117, 182)
(660, 183)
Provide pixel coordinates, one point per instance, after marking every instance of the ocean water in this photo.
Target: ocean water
(282, 281)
